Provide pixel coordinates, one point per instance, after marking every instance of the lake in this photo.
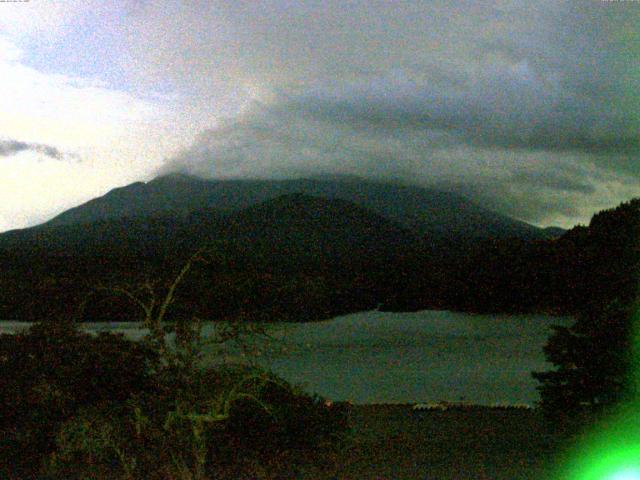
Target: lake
(427, 356)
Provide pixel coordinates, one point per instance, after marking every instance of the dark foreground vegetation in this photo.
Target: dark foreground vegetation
(596, 359)
(77, 406)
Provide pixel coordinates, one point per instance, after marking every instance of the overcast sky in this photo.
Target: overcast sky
(529, 107)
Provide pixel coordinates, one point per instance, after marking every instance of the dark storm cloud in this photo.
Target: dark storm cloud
(525, 203)
(530, 106)
(512, 107)
(563, 191)
(13, 147)
(553, 181)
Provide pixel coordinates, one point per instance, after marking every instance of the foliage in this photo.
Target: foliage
(594, 358)
(105, 407)
(296, 244)
(300, 258)
(230, 417)
(49, 372)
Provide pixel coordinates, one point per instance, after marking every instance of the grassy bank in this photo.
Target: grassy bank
(394, 442)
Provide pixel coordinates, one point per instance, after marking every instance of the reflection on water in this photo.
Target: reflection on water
(376, 357)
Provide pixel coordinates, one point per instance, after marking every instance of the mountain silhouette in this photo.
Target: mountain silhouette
(431, 213)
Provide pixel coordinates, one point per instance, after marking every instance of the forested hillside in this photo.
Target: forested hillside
(298, 257)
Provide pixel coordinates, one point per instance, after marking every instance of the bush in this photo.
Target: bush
(50, 371)
(105, 407)
(233, 422)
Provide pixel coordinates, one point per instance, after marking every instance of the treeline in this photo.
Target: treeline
(580, 271)
(307, 259)
(296, 258)
(43, 286)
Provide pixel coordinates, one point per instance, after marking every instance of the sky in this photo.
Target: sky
(529, 108)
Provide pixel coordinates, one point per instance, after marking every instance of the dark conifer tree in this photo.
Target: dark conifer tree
(594, 358)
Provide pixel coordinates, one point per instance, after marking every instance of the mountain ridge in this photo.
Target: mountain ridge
(328, 251)
(432, 212)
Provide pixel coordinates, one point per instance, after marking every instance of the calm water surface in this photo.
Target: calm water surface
(428, 356)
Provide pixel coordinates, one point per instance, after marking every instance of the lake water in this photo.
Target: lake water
(428, 356)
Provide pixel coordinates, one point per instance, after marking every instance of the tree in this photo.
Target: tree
(194, 422)
(594, 358)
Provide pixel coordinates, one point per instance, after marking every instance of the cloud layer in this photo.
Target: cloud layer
(529, 107)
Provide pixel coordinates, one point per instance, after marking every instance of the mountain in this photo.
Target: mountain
(303, 257)
(298, 250)
(331, 255)
(290, 223)
(554, 232)
(323, 231)
(438, 215)
(582, 270)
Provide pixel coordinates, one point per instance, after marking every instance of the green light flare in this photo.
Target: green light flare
(635, 361)
(626, 474)
(611, 451)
